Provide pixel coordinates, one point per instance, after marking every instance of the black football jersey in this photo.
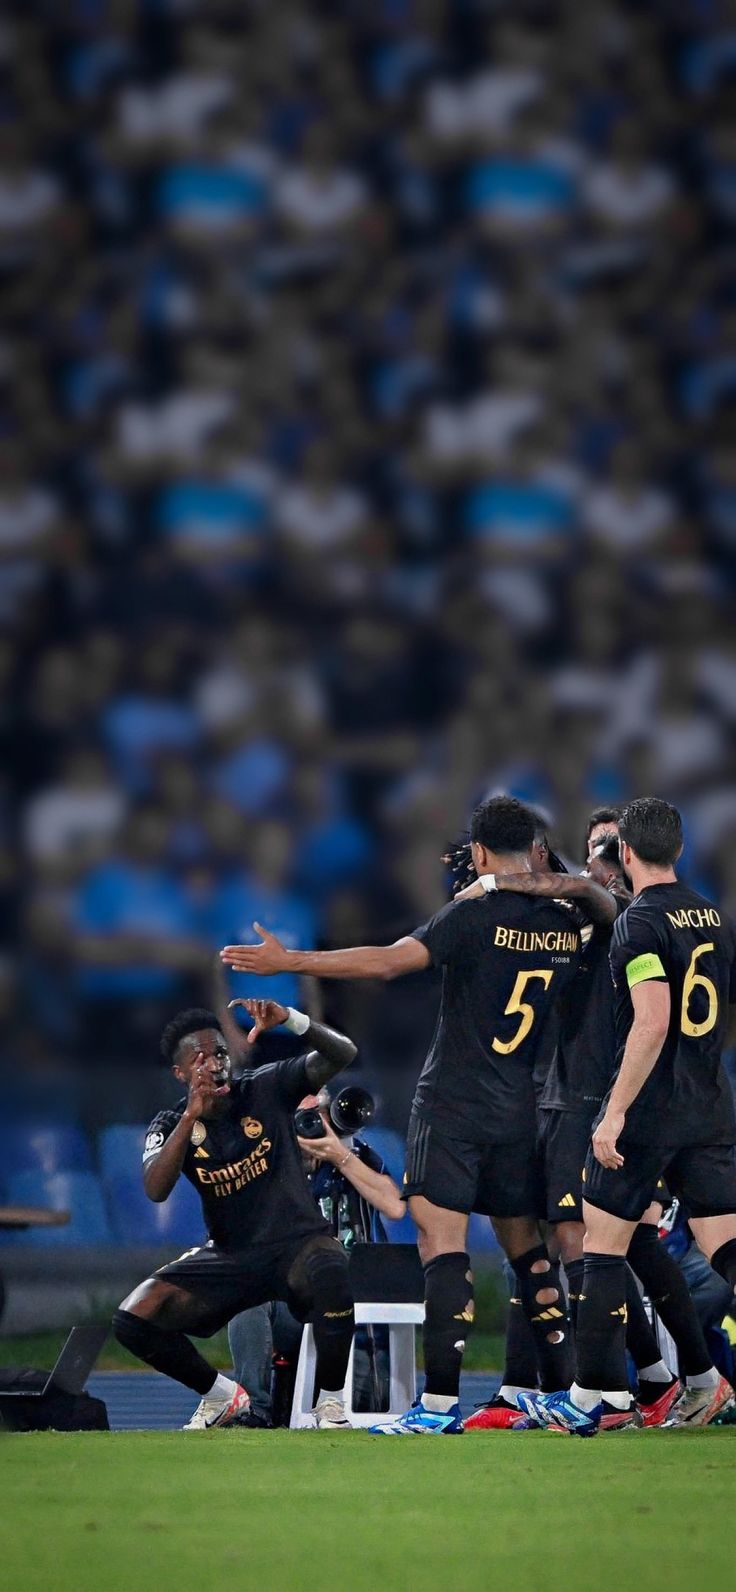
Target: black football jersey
(505, 959)
(585, 1056)
(670, 932)
(246, 1164)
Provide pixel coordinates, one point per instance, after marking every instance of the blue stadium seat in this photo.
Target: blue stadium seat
(120, 1149)
(77, 1192)
(45, 1148)
(137, 1220)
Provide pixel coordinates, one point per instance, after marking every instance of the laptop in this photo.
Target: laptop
(72, 1367)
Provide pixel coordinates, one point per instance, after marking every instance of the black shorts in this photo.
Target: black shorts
(460, 1175)
(703, 1177)
(226, 1282)
(564, 1138)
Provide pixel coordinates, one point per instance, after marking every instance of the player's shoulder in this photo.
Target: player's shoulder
(168, 1117)
(160, 1127)
(271, 1073)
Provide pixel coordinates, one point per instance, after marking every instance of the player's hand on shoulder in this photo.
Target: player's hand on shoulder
(470, 892)
(270, 956)
(266, 1014)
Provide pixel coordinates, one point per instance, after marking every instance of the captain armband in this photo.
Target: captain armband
(648, 965)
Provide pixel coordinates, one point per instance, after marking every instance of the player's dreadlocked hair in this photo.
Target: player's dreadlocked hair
(187, 1022)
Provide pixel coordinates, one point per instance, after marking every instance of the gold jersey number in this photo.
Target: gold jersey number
(695, 980)
(526, 1012)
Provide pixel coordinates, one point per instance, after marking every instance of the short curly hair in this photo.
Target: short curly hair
(187, 1022)
(504, 825)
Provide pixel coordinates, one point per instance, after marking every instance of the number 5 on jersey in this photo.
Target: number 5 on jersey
(526, 1012)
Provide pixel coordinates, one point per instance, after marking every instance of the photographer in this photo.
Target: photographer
(352, 1189)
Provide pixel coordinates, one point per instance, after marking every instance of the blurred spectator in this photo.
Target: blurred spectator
(367, 384)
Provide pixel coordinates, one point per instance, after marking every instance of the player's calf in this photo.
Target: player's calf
(544, 1304)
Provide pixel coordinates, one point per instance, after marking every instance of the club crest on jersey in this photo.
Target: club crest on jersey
(252, 1128)
(198, 1134)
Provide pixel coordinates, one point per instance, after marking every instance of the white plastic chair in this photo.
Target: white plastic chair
(402, 1321)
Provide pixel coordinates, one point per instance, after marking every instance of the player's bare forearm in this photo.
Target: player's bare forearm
(599, 903)
(163, 1171)
(365, 961)
(648, 1032)
(376, 1187)
(330, 1051)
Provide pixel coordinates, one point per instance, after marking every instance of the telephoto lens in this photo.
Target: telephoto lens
(351, 1109)
(308, 1123)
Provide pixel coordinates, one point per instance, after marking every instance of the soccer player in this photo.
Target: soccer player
(669, 1113)
(472, 1133)
(578, 1079)
(235, 1141)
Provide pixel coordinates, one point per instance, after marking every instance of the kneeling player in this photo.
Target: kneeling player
(235, 1141)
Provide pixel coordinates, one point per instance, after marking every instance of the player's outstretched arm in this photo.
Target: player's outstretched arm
(364, 961)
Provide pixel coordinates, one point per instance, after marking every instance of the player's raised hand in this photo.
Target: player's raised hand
(202, 1088)
(609, 1129)
(265, 1014)
(270, 956)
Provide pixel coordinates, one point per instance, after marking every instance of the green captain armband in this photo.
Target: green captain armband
(643, 967)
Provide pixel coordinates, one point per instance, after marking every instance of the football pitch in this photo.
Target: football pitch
(129, 1512)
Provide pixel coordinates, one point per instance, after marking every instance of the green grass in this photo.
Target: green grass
(97, 1512)
(484, 1351)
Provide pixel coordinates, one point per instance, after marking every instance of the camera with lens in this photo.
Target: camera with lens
(349, 1110)
(308, 1123)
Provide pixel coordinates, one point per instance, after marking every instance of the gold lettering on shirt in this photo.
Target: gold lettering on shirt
(224, 1180)
(533, 940)
(695, 918)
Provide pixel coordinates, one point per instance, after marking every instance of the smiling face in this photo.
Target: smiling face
(208, 1043)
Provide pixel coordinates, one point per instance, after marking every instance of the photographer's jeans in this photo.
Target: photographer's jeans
(253, 1335)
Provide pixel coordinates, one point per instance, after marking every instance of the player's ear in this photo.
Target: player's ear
(479, 856)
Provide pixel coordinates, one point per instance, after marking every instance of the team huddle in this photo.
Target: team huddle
(573, 1086)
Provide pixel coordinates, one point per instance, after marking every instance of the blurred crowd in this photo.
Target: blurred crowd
(368, 376)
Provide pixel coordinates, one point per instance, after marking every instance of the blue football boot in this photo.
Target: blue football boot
(421, 1422)
(557, 1412)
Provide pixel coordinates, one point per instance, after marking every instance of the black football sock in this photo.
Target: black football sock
(520, 1365)
(640, 1339)
(548, 1318)
(601, 1328)
(668, 1294)
(724, 1262)
(574, 1272)
(169, 1352)
(449, 1311)
(328, 1289)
